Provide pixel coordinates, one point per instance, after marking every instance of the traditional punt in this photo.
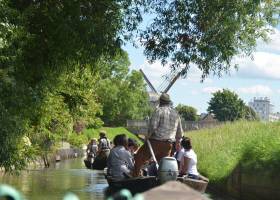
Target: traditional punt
(100, 161)
(142, 184)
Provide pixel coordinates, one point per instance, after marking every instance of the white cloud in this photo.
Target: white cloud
(266, 60)
(256, 90)
(263, 66)
(273, 45)
(210, 90)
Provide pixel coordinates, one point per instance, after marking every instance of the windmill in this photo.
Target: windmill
(163, 88)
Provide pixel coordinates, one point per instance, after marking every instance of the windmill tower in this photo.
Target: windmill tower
(163, 88)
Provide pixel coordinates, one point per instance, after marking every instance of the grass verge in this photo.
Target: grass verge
(254, 145)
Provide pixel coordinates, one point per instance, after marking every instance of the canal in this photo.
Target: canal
(69, 175)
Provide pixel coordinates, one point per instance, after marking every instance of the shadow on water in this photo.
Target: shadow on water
(55, 182)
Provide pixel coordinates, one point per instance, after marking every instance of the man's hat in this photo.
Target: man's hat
(164, 98)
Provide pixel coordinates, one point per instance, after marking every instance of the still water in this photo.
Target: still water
(69, 175)
(55, 182)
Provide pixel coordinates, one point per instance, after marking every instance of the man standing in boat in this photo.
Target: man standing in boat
(164, 128)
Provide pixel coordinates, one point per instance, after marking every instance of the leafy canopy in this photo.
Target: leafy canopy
(226, 106)
(188, 113)
(206, 33)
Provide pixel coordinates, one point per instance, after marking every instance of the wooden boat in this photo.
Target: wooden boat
(141, 184)
(100, 161)
(134, 185)
(199, 185)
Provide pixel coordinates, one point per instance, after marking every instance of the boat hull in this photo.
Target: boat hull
(142, 184)
(134, 185)
(198, 185)
(100, 161)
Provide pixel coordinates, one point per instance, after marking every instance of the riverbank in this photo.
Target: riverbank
(241, 158)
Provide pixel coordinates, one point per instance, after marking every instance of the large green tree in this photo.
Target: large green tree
(226, 106)
(188, 113)
(206, 33)
(48, 49)
(122, 94)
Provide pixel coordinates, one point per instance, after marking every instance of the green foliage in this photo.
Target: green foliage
(122, 94)
(77, 140)
(52, 56)
(187, 112)
(226, 106)
(250, 114)
(253, 145)
(206, 33)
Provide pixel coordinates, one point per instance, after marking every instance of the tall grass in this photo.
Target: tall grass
(253, 145)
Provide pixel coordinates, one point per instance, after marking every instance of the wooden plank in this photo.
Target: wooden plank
(173, 190)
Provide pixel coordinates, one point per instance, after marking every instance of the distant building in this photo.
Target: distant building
(274, 117)
(207, 117)
(263, 108)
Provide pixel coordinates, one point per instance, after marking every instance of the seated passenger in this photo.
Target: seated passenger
(104, 142)
(92, 149)
(188, 165)
(120, 162)
(132, 146)
(179, 153)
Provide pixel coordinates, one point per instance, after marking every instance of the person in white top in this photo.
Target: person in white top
(179, 153)
(188, 165)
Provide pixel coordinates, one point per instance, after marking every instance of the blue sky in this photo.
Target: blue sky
(259, 77)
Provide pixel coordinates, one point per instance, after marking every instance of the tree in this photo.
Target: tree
(187, 112)
(122, 94)
(206, 33)
(43, 44)
(226, 106)
(250, 114)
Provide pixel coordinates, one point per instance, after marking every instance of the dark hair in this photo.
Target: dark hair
(132, 142)
(120, 140)
(102, 135)
(186, 143)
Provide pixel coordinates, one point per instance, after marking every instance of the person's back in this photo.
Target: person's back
(164, 128)
(119, 162)
(104, 143)
(164, 123)
(94, 149)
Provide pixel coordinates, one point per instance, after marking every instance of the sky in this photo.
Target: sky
(258, 76)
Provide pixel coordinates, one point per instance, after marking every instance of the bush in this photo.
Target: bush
(77, 140)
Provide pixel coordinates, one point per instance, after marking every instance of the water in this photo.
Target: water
(55, 182)
(69, 175)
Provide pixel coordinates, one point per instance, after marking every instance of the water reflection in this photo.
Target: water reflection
(55, 182)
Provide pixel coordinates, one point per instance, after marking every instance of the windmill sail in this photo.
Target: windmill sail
(148, 82)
